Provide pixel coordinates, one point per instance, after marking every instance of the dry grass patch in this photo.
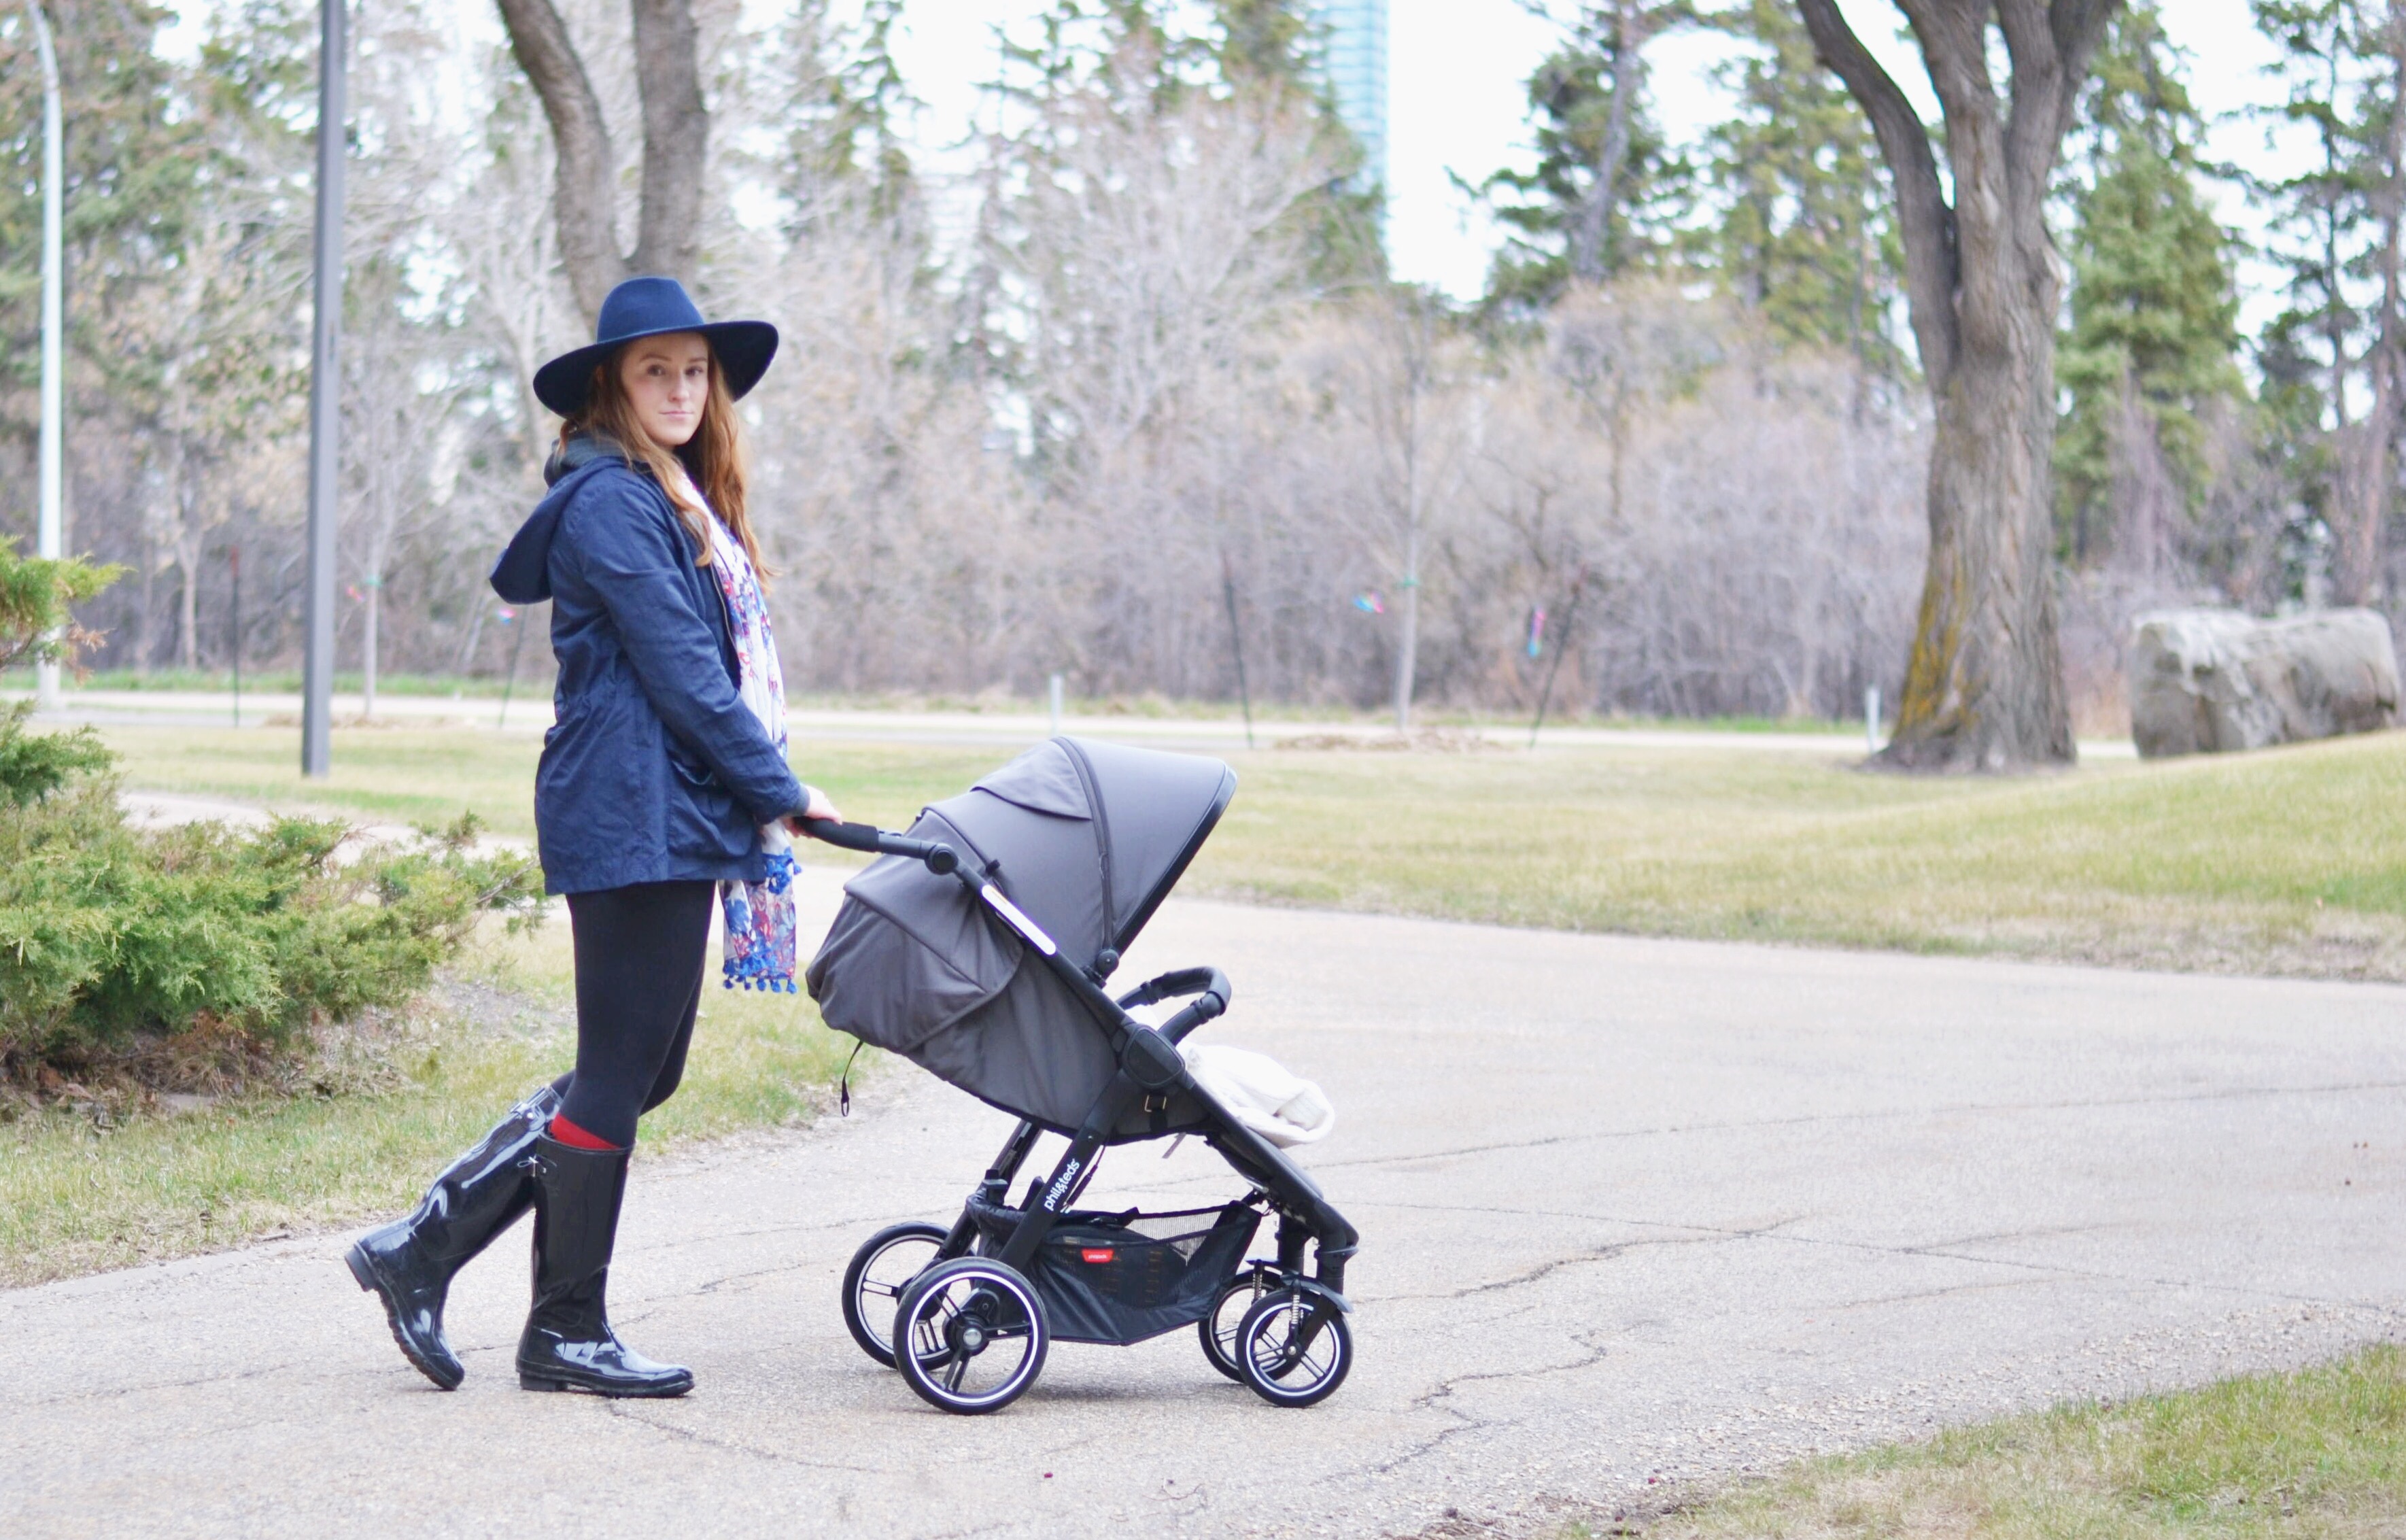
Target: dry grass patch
(2291, 861)
(2316, 1455)
(2287, 861)
(356, 1131)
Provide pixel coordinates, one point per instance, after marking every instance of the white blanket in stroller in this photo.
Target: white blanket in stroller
(1260, 1094)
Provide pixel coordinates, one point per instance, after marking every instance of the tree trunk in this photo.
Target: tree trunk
(676, 140)
(2367, 457)
(676, 135)
(368, 648)
(188, 558)
(143, 629)
(1983, 682)
(1408, 647)
(1592, 233)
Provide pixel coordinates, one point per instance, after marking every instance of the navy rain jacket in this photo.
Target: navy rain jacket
(656, 770)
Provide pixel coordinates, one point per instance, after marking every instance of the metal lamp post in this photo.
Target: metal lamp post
(325, 402)
(48, 535)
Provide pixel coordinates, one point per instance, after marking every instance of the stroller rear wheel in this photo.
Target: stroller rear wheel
(970, 1336)
(881, 1271)
(1235, 1301)
(1294, 1348)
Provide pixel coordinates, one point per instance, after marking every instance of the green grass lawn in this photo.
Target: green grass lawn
(78, 1195)
(2290, 860)
(2287, 861)
(2316, 1455)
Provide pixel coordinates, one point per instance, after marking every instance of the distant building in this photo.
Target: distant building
(1354, 36)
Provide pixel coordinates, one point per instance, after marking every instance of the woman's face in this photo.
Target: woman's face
(666, 380)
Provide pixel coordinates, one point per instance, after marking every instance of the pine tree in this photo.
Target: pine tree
(2153, 334)
(134, 161)
(1807, 237)
(844, 94)
(1271, 47)
(1608, 192)
(2337, 229)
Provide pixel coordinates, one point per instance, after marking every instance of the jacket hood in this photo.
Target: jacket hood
(523, 573)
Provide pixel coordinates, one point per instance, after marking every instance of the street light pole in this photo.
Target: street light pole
(325, 403)
(48, 532)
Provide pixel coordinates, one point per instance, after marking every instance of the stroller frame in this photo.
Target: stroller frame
(1151, 1070)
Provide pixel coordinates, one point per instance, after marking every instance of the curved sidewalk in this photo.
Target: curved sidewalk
(1633, 1212)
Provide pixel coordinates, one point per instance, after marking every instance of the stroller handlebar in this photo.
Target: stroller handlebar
(869, 839)
(1209, 986)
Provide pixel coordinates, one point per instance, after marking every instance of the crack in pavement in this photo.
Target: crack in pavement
(622, 1412)
(197, 1382)
(1469, 1422)
(1546, 1269)
(1934, 1251)
(1886, 1115)
(1939, 1293)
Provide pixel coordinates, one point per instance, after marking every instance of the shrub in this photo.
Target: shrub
(109, 932)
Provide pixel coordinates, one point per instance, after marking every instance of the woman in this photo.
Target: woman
(663, 783)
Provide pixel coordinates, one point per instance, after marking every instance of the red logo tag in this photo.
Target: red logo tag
(1095, 1253)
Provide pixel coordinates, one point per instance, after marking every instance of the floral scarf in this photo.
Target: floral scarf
(760, 948)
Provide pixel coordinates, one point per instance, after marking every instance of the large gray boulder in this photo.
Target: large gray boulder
(2214, 681)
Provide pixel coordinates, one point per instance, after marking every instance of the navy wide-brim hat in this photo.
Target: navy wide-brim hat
(654, 307)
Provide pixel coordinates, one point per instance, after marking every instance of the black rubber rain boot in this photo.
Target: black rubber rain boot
(410, 1262)
(568, 1344)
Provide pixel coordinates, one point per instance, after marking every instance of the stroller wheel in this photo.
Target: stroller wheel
(1236, 1300)
(972, 1334)
(881, 1270)
(1294, 1348)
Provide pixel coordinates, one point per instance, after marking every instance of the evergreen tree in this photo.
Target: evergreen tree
(1265, 41)
(844, 97)
(1806, 235)
(1607, 193)
(134, 163)
(2153, 334)
(2338, 230)
(1271, 47)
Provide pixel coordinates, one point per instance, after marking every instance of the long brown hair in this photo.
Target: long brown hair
(713, 457)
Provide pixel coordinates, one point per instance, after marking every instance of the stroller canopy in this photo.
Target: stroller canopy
(1086, 838)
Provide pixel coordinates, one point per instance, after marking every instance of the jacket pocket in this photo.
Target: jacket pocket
(704, 821)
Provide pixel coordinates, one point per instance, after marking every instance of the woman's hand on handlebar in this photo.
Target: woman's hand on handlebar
(819, 807)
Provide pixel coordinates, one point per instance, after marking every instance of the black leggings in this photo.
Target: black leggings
(640, 954)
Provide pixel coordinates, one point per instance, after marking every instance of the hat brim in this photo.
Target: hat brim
(744, 348)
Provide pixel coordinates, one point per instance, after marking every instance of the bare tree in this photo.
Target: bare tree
(1983, 682)
(1397, 381)
(676, 142)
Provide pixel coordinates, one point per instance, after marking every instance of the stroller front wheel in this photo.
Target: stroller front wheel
(970, 1336)
(881, 1273)
(1219, 1331)
(1294, 1348)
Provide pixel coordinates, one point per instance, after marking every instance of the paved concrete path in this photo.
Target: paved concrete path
(1633, 1212)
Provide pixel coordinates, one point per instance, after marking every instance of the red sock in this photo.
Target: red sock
(574, 1138)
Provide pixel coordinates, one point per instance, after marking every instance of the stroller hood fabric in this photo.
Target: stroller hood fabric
(1087, 839)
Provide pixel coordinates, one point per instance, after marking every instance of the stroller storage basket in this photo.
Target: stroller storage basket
(1123, 1278)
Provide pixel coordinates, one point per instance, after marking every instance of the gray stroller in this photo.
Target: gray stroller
(978, 948)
